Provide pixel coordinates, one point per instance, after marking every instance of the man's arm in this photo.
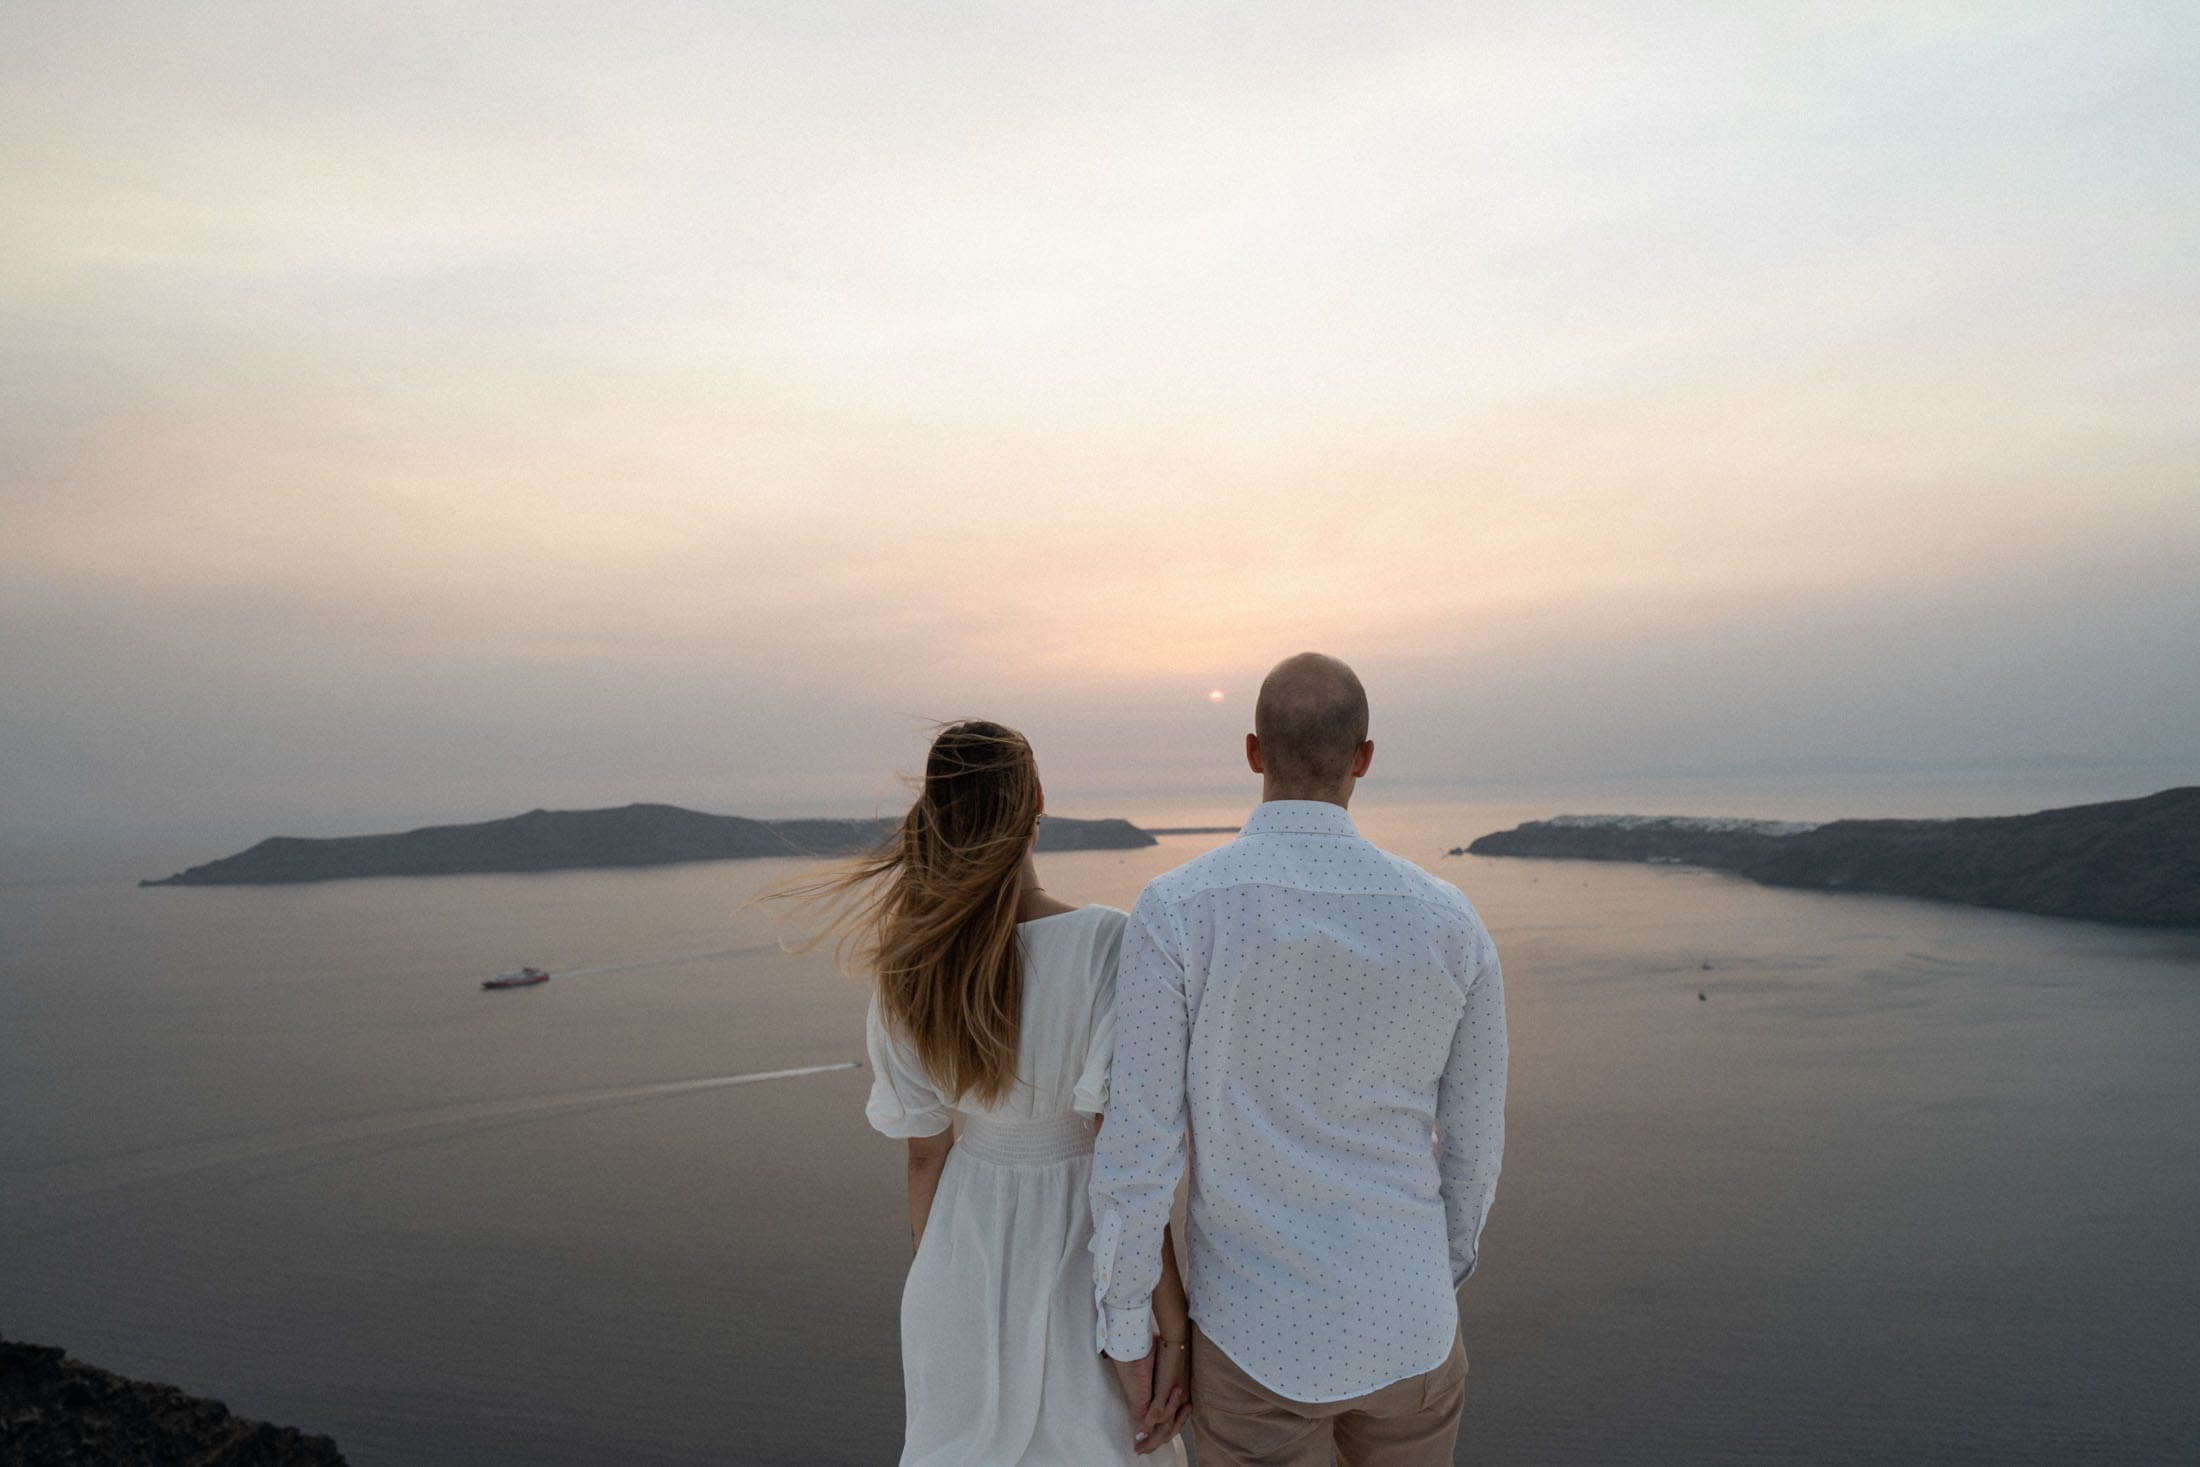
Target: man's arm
(1153, 1384)
(1470, 1111)
(1140, 1154)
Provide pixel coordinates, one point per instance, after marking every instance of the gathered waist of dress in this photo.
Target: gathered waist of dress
(1019, 1141)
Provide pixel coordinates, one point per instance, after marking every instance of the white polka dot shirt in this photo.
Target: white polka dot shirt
(1323, 1023)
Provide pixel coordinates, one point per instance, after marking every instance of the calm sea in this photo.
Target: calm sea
(1792, 1177)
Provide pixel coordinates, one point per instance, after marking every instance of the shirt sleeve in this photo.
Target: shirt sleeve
(1470, 1109)
(903, 1103)
(1091, 1094)
(1140, 1154)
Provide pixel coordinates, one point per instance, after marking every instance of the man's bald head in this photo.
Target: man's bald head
(1311, 720)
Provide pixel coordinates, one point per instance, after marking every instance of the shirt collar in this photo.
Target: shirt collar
(1298, 817)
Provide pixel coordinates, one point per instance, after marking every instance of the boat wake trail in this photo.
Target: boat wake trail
(754, 949)
(261, 1155)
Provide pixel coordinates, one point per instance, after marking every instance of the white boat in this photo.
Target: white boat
(524, 978)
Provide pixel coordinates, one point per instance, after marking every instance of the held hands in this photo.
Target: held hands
(1157, 1390)
(1172, 1394)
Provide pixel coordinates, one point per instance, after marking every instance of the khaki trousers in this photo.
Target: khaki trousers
(1238, 1422)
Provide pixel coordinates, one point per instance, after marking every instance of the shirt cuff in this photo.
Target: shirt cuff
(1126, 1334)
(1461, 1275)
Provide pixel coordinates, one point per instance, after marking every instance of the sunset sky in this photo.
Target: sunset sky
(429, 412)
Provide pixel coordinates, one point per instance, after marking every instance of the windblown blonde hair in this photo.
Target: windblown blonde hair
(931, 912)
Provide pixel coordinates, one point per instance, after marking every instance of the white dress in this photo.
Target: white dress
(998, 1321)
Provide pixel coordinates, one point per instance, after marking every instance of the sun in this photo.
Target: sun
(1215, 696)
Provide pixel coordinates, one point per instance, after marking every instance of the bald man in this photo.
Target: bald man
(1321, 1025)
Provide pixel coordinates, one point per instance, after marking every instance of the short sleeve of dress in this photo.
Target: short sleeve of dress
(1091, 1094)
(903, 1103)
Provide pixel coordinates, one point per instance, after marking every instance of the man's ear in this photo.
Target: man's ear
(1252, 753)
(1362, 757)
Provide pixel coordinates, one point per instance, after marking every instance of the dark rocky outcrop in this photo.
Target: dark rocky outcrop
(59, 1412)
(2125, 861)
(564, 840)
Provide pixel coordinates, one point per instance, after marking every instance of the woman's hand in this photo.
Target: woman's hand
(1171, 1402)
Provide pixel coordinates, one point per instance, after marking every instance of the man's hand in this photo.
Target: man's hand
(1135, 1377)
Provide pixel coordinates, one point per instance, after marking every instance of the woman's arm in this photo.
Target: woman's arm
(1172, 1315)
(927, 1154)
(1171, 1403)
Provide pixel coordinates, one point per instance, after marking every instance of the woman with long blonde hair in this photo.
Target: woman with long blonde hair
(990, 1030)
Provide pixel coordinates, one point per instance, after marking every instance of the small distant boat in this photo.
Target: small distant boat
(524, 978)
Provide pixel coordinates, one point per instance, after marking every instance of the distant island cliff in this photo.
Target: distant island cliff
(566, 840)
(2126, 861)
(60, 1412)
